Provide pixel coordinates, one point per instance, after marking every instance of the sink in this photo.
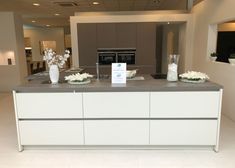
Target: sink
(159, 76)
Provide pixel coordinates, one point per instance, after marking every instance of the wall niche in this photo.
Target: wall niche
(225, 46)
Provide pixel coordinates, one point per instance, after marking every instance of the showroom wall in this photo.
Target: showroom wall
(206, 16)
(14, 71)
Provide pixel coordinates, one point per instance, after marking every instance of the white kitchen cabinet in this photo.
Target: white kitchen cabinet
(183, 132)
(185, 104)
(116, 105)
(49, 105)
(119, 118)
(116, 132)
(60, 132)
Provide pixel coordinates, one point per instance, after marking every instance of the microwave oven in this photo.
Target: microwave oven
(116, 55)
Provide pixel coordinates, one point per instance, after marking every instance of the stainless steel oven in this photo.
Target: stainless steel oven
(107, 56)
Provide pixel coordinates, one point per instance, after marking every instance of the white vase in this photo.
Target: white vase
(213, 59)
(232, 61)
(54, 74)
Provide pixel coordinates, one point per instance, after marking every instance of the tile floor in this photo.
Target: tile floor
(11, 158)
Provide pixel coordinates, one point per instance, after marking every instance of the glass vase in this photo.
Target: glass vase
(172, 74)
(54, 74)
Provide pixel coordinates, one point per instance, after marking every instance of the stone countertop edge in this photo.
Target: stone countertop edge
(147, 85)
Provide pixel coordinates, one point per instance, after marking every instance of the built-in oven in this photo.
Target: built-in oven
(107, 56)
(126, 57)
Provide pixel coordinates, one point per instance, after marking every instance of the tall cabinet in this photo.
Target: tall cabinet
(87, 45)
(141, 36)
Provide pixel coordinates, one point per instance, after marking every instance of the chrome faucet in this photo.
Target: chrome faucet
(97, 71)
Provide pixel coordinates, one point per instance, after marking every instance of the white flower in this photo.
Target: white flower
(194, 75)
(52, 59)
(78, 77)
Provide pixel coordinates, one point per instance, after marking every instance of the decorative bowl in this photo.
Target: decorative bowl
(131, 73)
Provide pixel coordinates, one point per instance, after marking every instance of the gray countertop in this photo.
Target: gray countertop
(104, 85)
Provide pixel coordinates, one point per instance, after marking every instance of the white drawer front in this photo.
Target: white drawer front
(184, 104)
(183, 132)
(49, 105)
(51, 132)
(116, 132)
(116, 105)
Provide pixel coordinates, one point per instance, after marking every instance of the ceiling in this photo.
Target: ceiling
(45, 13)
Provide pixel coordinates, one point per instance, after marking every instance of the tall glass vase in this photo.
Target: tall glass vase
(54, 74)
(172, 74)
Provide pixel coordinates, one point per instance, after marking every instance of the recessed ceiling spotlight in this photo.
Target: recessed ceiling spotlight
(36, 4)
(48, 25)
(157, 1)
(95, 3)
(168, 22)
(56, 14)
(33, 21)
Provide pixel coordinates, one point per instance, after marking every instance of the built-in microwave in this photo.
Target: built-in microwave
(107, 56)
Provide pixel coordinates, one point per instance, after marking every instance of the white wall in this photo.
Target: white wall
(206, 13)
(44, 34)
(12, 39)
(120, 17)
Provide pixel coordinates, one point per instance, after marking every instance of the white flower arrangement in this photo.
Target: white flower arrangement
(194, 76)
(78, 77)
(52, 58)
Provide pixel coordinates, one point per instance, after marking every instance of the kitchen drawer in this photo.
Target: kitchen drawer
(116, 105)
(183, 132)
(116, 132)
(184, 104)
(49, 105)
(51, 132)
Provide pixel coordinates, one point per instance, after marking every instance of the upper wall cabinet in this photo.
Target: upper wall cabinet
(126, 35)
(106, 35)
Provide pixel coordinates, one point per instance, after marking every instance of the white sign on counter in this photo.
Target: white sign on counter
(118, 73)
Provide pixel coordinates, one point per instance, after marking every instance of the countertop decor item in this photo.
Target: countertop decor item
(213, 56)
(232, 59)
(78, 78)
(193, 77)
(131, 73)
(55, 62)
(172, 74)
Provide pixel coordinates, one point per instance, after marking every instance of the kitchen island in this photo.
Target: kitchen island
(146, 113)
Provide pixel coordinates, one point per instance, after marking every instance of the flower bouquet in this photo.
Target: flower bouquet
(52, 58)
(193, 77)
(78, 78)
(55, 62)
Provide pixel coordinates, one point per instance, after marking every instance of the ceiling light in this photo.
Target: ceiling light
(168, 22)
(56, 14)
(33, 21)
(36, 4)
(48, 25)
(95, 3)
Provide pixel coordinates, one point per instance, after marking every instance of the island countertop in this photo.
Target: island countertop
(105, 85)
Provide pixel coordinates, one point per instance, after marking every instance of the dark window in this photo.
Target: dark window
(225, 45)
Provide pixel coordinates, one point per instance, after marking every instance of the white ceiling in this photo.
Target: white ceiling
(44, 14)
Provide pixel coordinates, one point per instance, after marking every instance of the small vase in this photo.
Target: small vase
(232, 61)
(54, 74)
(213, 59)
